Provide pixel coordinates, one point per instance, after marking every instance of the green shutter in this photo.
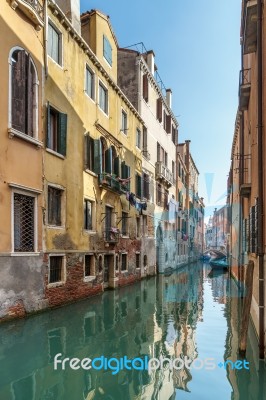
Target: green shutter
(108, 160)
(48, 131)
(123, 170)
(62, 139)
(117, 166)
(97, 156)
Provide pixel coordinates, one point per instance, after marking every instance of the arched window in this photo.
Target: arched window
(23, 114)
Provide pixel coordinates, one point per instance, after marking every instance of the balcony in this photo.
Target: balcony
(33, 9)
(111, 235)
(146, 154)
(163, 173)
(250, 26)
(112, 183)
(245, 176)
(244, 89)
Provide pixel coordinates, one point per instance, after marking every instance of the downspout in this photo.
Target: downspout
(45, 38)
(260, 183)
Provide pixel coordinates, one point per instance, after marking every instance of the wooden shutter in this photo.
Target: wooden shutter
(108, 160)
(138, 185)
(117, 166)
(19, 77)
(30, 95)
(97, 156)
(168, 123)
(159, 109)
(145, 87)
(62, 133)
(48, 130)
(158, 152)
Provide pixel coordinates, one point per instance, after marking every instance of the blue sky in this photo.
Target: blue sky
(197, 49)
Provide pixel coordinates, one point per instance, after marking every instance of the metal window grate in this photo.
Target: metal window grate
(56, 263)
(23, 223)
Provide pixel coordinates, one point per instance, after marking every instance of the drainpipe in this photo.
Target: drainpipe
(45, 39)
(260, 184)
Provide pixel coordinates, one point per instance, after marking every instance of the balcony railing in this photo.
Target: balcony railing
(250, 26)
(111, 235)
(245, 176)
(112, 182)
(244, 88)
(32, 8)
(163, 173)
(146, 154)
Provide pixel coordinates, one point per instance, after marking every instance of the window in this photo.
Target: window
(124, 224)
(54, 43)
(144, 225)
(138, 138)
(56, 130)
(24, 93)
(107, 50)
(165, 159)
(90, 83)
(146, 184)
(138, 185)
(123, 262)
(159, 194)
(56, 269)
(89, 269)
(159, 109)
(138, 226)
(88, 210)
(145, 88)
(137, 260)
(124, 122)
(24, 223)
(54, 206)
(103, 98)
(89, 152)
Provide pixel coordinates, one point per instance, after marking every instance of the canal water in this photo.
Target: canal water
(190, 318)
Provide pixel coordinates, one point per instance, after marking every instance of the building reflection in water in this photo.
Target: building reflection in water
(156, 317)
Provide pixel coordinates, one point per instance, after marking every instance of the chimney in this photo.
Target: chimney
(169, 97)
(71, 8)
(150, 60)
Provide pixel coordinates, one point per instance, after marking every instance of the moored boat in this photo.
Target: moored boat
(220, 263)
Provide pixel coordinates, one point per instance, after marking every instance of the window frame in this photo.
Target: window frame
(91, 71)
(126, 255)
(90, 277)
(138, 138)
(11, 130)
(124, 220)
(92, 202)
(60, 152)
(63, 270)
(105, 51)
(62, 206)
(124, 122)
(60, 43)
(105, 89)
(35, 210)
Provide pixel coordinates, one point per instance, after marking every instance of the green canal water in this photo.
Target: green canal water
(190, 315)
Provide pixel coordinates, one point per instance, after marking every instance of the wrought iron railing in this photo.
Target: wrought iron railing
(111, 235)
(244, 77)
(163, 172)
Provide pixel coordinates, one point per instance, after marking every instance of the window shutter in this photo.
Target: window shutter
(88, 152)
(62, 131)
(108, 160)
(123, 170)
(158, 152)
(97, 156)
(159, 109)
(117, 166)
(48, 131)
(29, 105)
(168, 123)
(151, 189)
(145, 88)
(19, 92)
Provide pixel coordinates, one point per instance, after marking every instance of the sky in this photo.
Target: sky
(197, 52)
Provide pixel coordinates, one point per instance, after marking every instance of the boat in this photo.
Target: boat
(219, 263)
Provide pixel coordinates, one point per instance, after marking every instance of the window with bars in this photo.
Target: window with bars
(24, 93)
(24, 221)
(123, 262)
(54, 206)
(103, 98)
(90, 83)
(56, 269)
(89, 269)
(56, 130)
(88, 214)
(54, 43)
